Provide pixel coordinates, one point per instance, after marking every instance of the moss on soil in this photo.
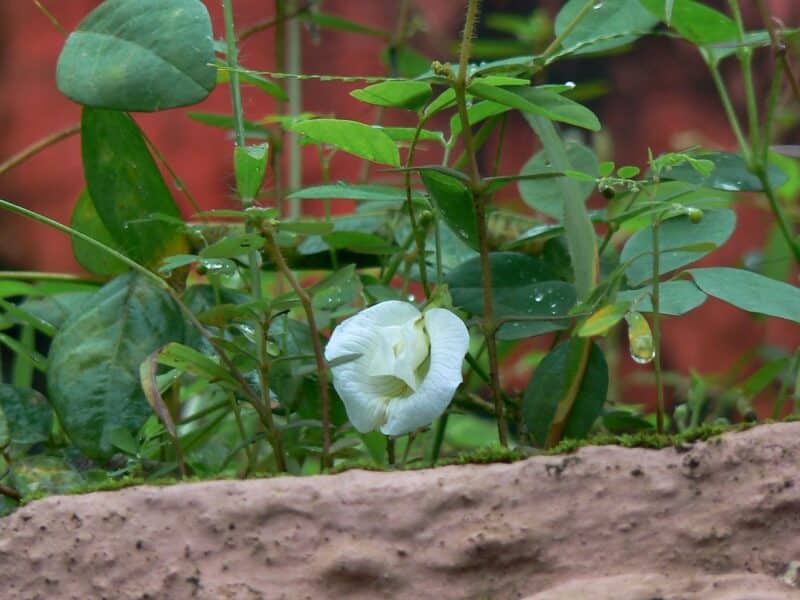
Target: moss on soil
(486, 455)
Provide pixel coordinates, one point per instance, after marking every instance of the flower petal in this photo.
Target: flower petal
(449, 342)
(362, 334)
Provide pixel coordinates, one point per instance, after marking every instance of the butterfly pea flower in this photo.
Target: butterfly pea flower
(408, 365)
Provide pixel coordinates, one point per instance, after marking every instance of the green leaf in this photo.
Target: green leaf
(603, 319)
(43, 474)
(126, 186)
(358, 241)
(250, 165)
(610, 24)
(548, 385)
(411, 95)
(329, 21)
(251, 77)
(355, 191)
(675, 298)
(545, 195)
(541, 102)
(351, 136)
(93, 376)
(28, 417)
(522, 286)
(730, 173)
(252, 129)
(232, 246)
(139, 55)
(5, 436)
(715, 228)
(86, 220)
(695, 22)
(191, 361)
(475, 114)
(750, 291)
(307, 227)
(454, 202)
(578, 228)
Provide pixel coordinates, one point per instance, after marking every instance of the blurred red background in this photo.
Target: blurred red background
(660, 96)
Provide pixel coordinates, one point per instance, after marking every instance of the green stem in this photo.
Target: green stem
(322, 367)
(13, 208)
(727, 105)
(656, 301)
(416, 229)
(233, 66)
(745, 56)
(556, 43)
(488, 323)
(38, 146)
(254, 258)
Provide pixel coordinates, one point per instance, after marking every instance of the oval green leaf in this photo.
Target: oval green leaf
(675, 298)
(545, 195)
(27, 414)
(249, 166)
(86, 220)
(522, 286)
(411, 95)
(610, 24)
(454, 202)
(139, 55)
(548, 384)
(126, 187)
(674, 234)
(750, 291)
(351, 136)
(93, 375)
(730, 173)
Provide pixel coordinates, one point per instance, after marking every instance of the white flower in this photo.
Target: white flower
(409, 368)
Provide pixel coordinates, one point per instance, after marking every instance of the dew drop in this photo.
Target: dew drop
(597, 6)
(411, 298)
(570, 84)
(538, 297)
(640, 338)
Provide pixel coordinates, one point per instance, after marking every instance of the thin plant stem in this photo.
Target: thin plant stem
(38, 146)
(273, 21)
(488, 323)
(656, 301)
(779, 48)
(294, 90)
(233, 65)
(254, 258)
(50, 17)
(745, 56)
(390, 451)
(411, 438)
(438, 438)
(727, 105)
(319, 357)
(176, 179)
(24, 212)
(554, 45)
(417, 230)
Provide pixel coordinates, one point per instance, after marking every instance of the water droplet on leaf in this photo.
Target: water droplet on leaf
(640, 338)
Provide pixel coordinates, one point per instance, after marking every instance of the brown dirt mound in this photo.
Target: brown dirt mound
(716, 520)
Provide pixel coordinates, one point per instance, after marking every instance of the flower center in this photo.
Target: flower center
(400, 352)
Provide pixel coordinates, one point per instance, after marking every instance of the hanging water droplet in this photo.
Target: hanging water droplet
(411, 298)
(640, 338)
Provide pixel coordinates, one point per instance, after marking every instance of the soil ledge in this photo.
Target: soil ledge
(711, 520)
